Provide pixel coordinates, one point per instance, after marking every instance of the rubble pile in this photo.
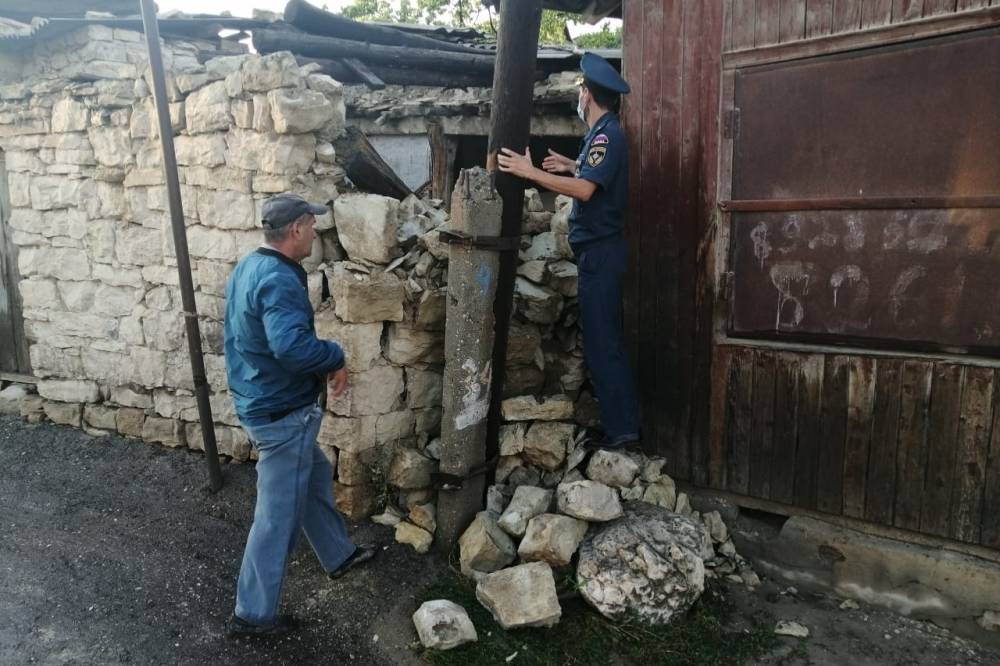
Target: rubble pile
(640, 549)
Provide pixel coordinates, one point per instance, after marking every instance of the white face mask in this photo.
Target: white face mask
(580, 111)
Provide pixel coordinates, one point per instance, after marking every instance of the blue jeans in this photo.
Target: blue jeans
(294, 491)
(601, 267)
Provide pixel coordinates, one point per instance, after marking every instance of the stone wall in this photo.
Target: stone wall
(99, 281)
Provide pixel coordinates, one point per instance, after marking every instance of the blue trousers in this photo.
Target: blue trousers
(294, 492)
(601, 267)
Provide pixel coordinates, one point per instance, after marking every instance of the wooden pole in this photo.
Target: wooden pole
(510, 127)
(180, 245)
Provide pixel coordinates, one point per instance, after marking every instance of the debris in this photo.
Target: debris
(588, 500)
(521, 596)
(794, 629)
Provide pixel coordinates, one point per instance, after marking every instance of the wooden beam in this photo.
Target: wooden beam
(399, 76)
(314, 20)
(366, 168)
(876, 36)
(367, 76)
(18, 377)
(270, 41)
(856, 203)
(510, 127)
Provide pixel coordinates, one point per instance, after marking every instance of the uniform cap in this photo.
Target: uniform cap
(599, 71)
(285, 208)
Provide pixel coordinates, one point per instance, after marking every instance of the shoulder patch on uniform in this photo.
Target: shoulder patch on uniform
(596, 155)
(599, 139)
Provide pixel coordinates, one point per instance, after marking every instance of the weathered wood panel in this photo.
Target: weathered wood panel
(744, 24)
(762, 432)
(946, 396)
(971, 454)
(846, 15)
(907, 10)
(990, 529)
(767, 28)
(632, 115)
(786, 405)
(830, 471)
(740, 421)
(819, 18)
(936, 7)
(793, 21)
(860, 402)
(809, 430)
(911, 451)
(875, 13)
(13, 343)
(881, 487)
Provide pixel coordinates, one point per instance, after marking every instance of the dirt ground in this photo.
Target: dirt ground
(112, 551)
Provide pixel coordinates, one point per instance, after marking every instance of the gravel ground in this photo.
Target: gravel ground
(113, 551)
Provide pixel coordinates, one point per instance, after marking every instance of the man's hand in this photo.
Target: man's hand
(556, 163)
(339, 380)
(515, 163)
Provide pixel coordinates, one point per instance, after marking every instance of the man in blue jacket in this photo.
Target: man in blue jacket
(598, 182)
(277, 368)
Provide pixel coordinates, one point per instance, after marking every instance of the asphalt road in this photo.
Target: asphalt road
(112, 551)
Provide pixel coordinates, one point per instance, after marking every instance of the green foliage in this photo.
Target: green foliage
(553, 28)
(606, 38)
(706, 635)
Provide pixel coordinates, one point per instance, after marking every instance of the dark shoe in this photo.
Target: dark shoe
(621, 442)
(240, 628)
(360, 555)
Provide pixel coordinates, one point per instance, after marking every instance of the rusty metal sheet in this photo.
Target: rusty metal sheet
(917, 119)
(919, 279)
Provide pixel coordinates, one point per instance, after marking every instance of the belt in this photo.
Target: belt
(277, 416)
(586, 245)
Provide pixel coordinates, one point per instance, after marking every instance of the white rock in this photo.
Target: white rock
(409, 346)
(424, 516)
(484, 547)
(69, 390)
(368, 225)
(275, 70)
(544, 247)
(545, 444)
(68, 115)
(552, 538)
(990, 620)
(411, 470)
(423, 388)
(527, 503)
(538, 304)
(794, 629)
(10, 399)
(59, 263)
(612, 468)
(270, 153)
(411, 535)
(294, 111)
(683, 505)
(522, 596)
(390, 517)
(202, 150)
(529, 408)
(716, 526)
(512, 438)
(661, 492)
(55, 192)
(361, 298)
(443, 625)
(207, 110)
(361, 342)
(324, 84)
(225, 209)
(375, 391)
(588, 500)
(648, 565)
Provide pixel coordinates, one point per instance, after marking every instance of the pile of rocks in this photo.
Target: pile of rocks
(643, 551)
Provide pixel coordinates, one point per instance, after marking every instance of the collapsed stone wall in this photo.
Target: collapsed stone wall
(99, 282)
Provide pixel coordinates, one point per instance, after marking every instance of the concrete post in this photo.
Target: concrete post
(472, 281)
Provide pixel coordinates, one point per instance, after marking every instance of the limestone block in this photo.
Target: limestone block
(32, 408)
(128, 396)
(229, 441)
(205, 243)
(512, 438)
(69, 390)
(101, 417)
(424, 516)
(50, 361)
(411, 470)
(521, 596)
(552, 538)
(367, 225)
(546, 444)
(588, 500)
(443, 625)
(118, 276)
(362, 343)
(268, 152)
(417, 537)
(63, 413)
(423, 388)
(38, 294)
(484, 547)
(275, 70)
(325, 84)
(69, 115)
(139, 246)
(362, 298)
(612, 468)
(168, 432)
(408, 346)
(100, 240)
(294, 111)
(529, 408)
(190, 81)
(528, 502)
(432, 310)
(375, 391)
(208, 150)
(212, 276)
(77, 296)
(221, 67)
(54, 192)
(533, 270)
(226, 209)
(207, 110)
(130, 421)
(147, 367)
(355, 502)
(537, 303)
(261, 121)
(242, 110)
(112, 146)
(716, 526)
(27, 220)
(219, 178)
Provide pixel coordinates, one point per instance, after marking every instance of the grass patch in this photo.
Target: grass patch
(583, 636)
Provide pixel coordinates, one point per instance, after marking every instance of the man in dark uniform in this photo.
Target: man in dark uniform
(598, 182)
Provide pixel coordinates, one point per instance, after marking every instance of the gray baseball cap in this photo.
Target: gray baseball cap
(285, 208)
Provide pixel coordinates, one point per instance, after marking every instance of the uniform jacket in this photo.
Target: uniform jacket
(274, 361)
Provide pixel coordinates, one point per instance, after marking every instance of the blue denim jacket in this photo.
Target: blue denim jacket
(274, 361)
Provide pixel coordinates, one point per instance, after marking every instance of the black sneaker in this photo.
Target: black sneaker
(240, 628)
(361, 554)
